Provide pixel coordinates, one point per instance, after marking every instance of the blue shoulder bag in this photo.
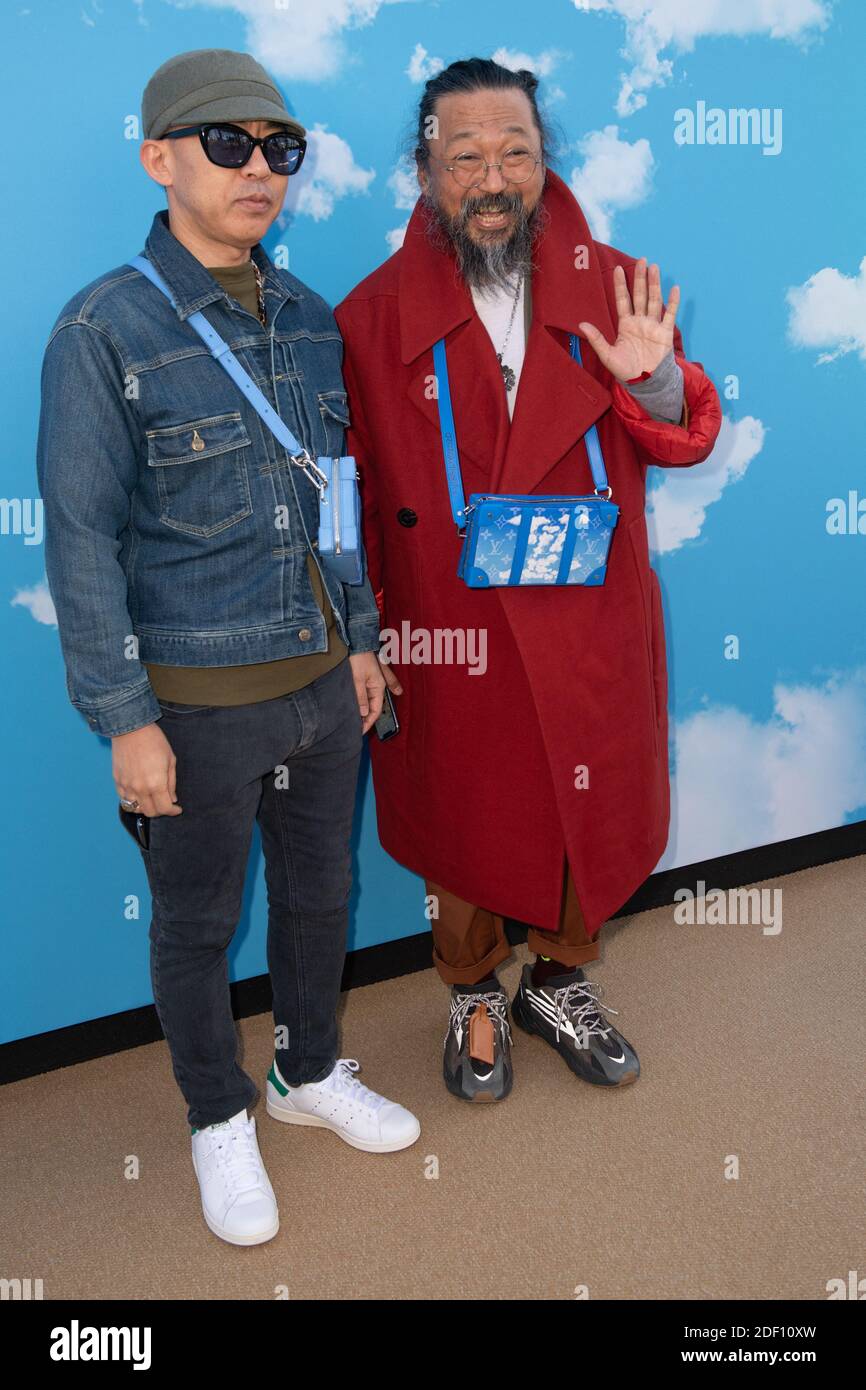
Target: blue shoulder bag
(529, 539)
(335, 478)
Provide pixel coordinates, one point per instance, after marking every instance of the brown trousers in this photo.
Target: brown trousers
(469, 942)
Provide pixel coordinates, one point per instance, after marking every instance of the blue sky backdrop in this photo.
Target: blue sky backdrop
(769, 253)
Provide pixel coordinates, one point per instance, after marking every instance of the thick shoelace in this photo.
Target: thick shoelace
(580, 1002)
(342, 1079)
(236, 1157)
(497, 1006)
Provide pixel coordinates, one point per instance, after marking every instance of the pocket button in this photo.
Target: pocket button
(305, 634)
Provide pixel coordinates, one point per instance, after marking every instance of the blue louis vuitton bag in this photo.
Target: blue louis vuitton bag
(531, 539)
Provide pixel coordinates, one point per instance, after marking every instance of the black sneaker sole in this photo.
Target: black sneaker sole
(525, 1023)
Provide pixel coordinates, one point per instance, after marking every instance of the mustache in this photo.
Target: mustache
(489, 203)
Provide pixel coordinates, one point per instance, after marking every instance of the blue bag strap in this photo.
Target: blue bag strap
(449, 435)
(220, 349)
(593, 447)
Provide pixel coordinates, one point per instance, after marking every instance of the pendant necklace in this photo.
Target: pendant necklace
(508, 374)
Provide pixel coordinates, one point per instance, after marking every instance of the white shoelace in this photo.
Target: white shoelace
(342, 1079)
(497, 1006)
(584, 1014)
(236, 1157)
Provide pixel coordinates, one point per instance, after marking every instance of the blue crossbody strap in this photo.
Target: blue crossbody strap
(226, 358)
(593, 446)
(449, 435)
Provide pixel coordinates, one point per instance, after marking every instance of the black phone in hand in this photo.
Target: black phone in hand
(137, 824)
(387, 725)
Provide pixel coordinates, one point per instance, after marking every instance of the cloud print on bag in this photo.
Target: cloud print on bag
(38, 602)
(677, 506)
(739, 782)
(829, 311)
(652, 26)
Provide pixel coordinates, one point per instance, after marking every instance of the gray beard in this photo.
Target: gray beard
(487, 265)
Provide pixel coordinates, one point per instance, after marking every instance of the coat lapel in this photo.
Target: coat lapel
(557, 399)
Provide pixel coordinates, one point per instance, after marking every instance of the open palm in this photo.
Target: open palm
(645, 331)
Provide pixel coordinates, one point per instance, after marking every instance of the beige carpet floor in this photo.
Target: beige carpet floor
(751, 1046)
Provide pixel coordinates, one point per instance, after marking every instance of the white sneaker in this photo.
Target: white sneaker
(237, 1199)
(341, 1103)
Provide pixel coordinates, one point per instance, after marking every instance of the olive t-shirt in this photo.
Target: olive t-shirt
(260, 680)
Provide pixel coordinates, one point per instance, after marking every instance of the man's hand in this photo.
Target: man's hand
(644, 334)
(390, 679)
(144, 769)
(369, 686)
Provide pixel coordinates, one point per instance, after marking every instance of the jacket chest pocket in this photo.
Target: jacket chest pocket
(201, 473)
(334, 412)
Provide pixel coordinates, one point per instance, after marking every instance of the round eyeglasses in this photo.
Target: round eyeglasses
(231, 147)
(515, 166)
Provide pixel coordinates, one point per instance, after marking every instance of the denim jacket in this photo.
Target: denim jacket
(177, 528)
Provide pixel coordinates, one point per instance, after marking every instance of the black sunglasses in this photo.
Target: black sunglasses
(230, 146)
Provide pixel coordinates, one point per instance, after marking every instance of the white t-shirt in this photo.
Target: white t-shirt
(494, 309)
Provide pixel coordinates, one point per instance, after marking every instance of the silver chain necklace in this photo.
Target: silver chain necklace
(509, 375)
(260, 294)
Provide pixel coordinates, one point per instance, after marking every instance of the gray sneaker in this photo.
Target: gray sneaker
(477, 1061)
(566, 1012)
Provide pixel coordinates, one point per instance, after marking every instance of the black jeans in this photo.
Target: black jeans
(233, 764)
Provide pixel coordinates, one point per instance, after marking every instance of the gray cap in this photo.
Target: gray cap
(211, 84)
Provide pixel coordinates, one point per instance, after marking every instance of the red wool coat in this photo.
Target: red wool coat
(479, 790)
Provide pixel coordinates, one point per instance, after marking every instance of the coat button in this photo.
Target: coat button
(407, 517)
(305, 634)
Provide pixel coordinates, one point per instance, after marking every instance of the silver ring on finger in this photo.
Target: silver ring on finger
(129, 805)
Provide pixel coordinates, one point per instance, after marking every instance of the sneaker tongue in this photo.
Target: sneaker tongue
(233, 1122)
(560, 981)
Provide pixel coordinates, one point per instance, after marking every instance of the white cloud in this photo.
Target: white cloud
(615, 175)
(301, 41)
(677, 508)
(741, 782)
(421, 66)
(38, 602)
(329, 173)
(651, 26)
(395, 237)
(542, 64)
(829, 311)
(404, 185)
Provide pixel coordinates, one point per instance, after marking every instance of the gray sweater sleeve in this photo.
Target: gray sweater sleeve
(662, 392)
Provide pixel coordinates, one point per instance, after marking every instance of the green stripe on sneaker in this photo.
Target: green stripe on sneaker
(276, 1082)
